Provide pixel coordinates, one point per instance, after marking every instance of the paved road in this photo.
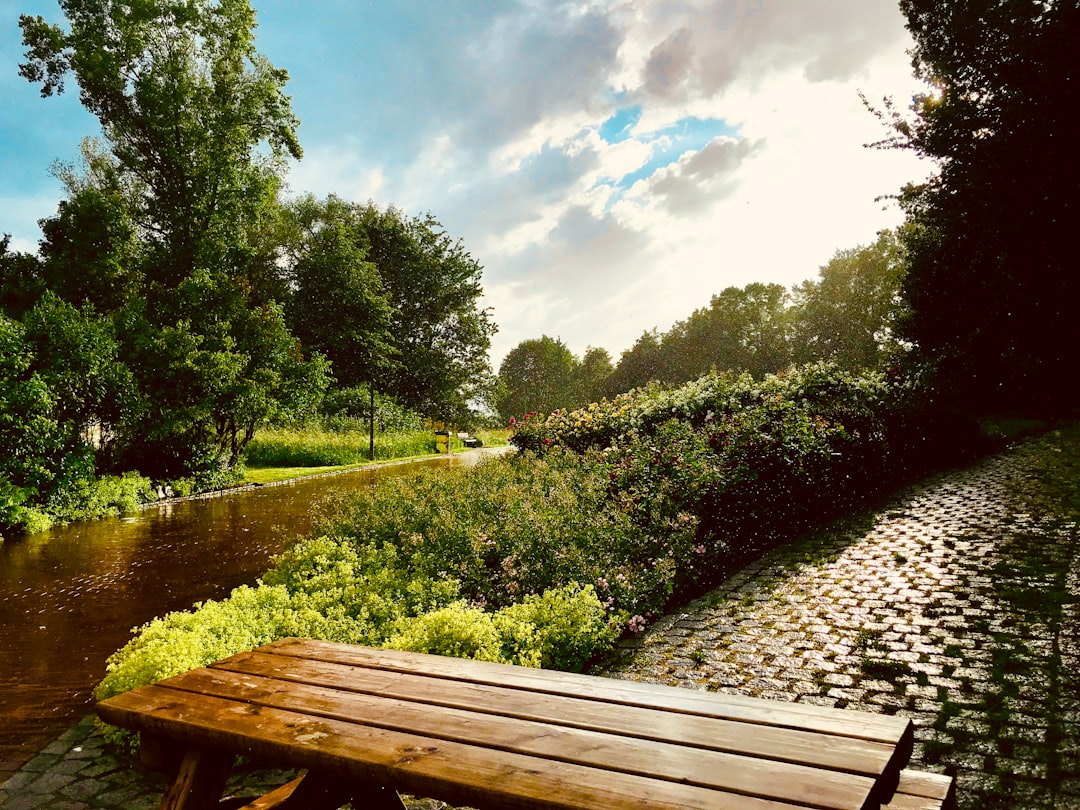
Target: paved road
(957, 604)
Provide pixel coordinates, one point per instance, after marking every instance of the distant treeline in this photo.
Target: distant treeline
(847, 316)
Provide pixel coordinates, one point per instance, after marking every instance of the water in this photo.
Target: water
(70, 597)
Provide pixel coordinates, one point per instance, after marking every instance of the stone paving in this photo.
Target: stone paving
(957, 604)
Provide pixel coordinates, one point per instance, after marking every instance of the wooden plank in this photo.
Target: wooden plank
(923, 789)
(903, 801)
(815, 749)
(894, 731)
(456, 773)
(677, 763)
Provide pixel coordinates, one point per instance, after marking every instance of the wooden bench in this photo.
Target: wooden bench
(365, 723)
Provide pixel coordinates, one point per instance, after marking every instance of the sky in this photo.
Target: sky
(611, 165)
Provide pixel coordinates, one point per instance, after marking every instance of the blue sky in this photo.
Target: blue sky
(612, 165)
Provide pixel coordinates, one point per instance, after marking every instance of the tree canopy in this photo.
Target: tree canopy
(389, 297)
(848, 315)
(163, 227)
(537, 375)
(991, 281)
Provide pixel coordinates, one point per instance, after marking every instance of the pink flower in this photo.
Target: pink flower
(636, 624)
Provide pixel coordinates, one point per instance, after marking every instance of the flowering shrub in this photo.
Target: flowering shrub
(544, 557)
(831, 392)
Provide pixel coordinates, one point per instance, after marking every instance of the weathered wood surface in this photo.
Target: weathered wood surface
(492, 735)
(919, 790)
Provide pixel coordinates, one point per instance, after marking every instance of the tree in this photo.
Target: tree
(537, 375)
(592, 375)
(441, 331)
(848, 314)
(410, 281)
(742, 328)
(338, 306)
(76, 354)
(90, 251)
(185, 103)
(33, 443)
(638, 365)
(167, 230)
(20, 280)
(991, 281)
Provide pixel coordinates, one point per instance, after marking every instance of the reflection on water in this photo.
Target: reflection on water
(71, 596)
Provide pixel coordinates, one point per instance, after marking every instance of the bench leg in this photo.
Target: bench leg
(199, 782)
(319, 792)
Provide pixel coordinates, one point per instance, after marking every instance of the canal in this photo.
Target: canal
(71, 596)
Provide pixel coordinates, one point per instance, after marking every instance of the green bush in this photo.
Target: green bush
(561, 628)
(91, 498)
(456, 630)
(355, 404)
(16, 515)
(544, 557)
(517, 526)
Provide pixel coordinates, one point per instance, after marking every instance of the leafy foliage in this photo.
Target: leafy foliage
(742, 329)
(355, 404)
(850, 313)
(536, 375)
(389, 298)
(165, 231)
(542, 558)
(991, 271)
(848, 316)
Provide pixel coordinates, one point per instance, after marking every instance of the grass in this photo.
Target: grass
(280, 454)
(270, 475)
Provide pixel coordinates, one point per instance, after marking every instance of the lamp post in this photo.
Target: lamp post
(371, 431)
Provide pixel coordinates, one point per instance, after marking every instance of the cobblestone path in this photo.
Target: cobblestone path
(957, 603)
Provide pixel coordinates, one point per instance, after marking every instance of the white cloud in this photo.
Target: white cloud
(509, 155)
(492, 120)
(336, 169)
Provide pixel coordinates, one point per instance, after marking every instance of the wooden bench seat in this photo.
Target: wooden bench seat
(921, 790)
(366, 722)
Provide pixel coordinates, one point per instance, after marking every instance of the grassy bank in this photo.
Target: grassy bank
(278, 454)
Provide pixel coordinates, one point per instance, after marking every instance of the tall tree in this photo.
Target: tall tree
(21, 283)
(640, 364)
(592, 375)
(197, 126)
(743, 328)
(991, 280)
(537, 375)
(848, 314)
(338, 306)
(441, 331)
(185, 103)
(420, 287)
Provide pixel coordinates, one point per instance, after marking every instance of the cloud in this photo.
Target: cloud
(533, 64)
(669, 64)
(705, 47)
(699, 179)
